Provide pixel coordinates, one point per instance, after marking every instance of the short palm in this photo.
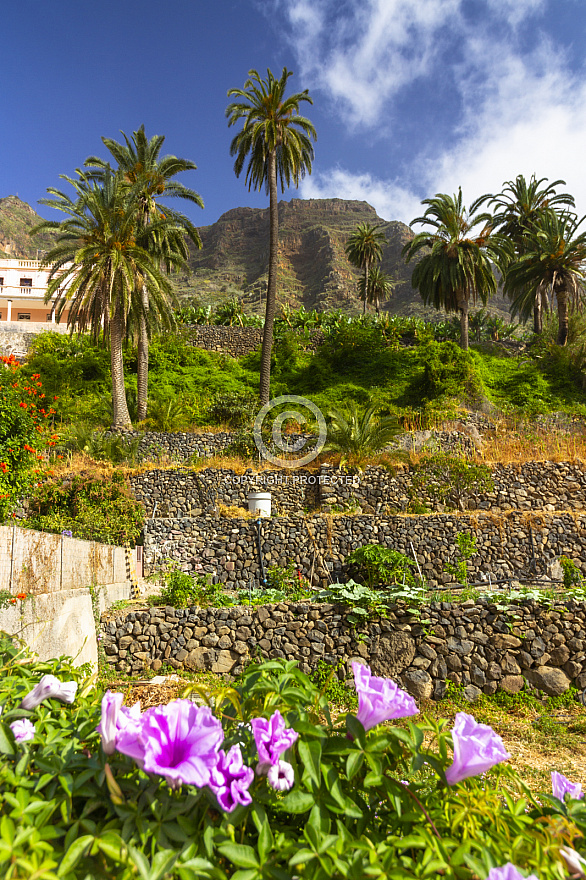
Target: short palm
(554, 260)
(363, 248)
(360, 434)
(275, 146)
(457, 266)
(380, 288)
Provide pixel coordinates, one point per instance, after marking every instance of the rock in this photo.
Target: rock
(198, 660)
(395, 652)
(462, 647)
(505, 643)
(224, 661)
(512, 684)
(510, 666)
(559, 656)
(572, 669)
(439, 690)
(548, 679)
(418, 683)
(471, 693)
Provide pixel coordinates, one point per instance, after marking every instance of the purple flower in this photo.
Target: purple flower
(67, 533)
(380, 699)
(477, 748)
(179, 741)
(49, 686)
(281, 776)
(23, 730)
(117, 718)
(230, 780)
(561, 786)
(272, 738)
(508, 872)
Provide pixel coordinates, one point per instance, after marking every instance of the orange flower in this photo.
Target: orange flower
(21, 596)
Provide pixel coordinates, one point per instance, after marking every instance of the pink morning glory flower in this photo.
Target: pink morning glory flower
(117, 718)
(230, 780)
(380, 699)
(561, 786)
(281, 776)
(23, 730)
(272, 738)
(50, 686)
(477, 748)
(508, 872)
(179, 741)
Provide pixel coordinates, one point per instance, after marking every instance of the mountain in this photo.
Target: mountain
(233, 262)
(313, 268)
(16, 219)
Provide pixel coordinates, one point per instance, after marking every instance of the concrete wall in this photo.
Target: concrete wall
(55, 573)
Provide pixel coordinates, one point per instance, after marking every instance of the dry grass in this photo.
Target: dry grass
(518, 444)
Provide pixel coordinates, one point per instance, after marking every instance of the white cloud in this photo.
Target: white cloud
(362, 53)
(390, 200)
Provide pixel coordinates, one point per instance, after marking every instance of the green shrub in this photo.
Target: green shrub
(180, 590)
(380, 566)
(94, 508)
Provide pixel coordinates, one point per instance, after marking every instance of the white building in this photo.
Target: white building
(23, 285)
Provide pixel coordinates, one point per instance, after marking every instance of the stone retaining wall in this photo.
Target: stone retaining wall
(180, 492)
(473, 644)
(508, 545)
(238, 341)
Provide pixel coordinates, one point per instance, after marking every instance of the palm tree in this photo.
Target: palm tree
(364, 246)
(458, 266)
(380, 287)
(554, 259)
(518, 210)
(361, 434)
(276, 141)
(96, 267)
(149, 178)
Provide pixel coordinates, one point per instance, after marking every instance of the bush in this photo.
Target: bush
(24, 413)
(94, 508)
(182, 591)
(357, 799)
(380, 566)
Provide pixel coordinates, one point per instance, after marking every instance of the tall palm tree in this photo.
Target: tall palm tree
(458, 266)
(150, 177)
(363, 248)
(275, 142)
(554, 259)
(97, 267)
(518, 211)
(380, 288)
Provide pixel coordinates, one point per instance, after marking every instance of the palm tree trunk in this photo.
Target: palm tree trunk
(121, 417)
(464, 323)
(561, 293)
(142, 370)
(267, 339)
(365, 287)
(537, 315)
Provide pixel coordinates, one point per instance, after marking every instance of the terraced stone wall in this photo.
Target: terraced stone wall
(475, 644)
(180, 492)
(510, 544)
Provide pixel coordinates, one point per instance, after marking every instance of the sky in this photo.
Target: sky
(410, 97)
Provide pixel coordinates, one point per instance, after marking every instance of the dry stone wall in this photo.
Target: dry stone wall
(511, 545)
(180, 492)
(238, 341)
(474, 644)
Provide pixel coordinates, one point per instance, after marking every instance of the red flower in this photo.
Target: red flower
(23, 405)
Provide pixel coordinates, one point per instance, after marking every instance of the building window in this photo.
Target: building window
(24, 316)
(49, 316)
(1, 282)
(26, 282)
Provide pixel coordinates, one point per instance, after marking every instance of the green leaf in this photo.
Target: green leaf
(6, 747)
(354, 762)
(265, 840)
(74, 853)
(240, 855)
(356, 730)
(310, 754)
(296, 802)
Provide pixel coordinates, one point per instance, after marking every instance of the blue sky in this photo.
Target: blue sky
(411, 97)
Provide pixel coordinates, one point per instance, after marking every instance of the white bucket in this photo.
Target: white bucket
(260, 502)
